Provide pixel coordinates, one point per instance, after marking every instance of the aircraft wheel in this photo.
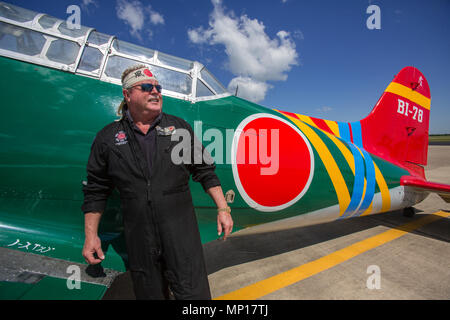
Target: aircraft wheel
(409, 212)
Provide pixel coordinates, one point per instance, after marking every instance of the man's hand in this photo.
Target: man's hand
(224, 223)
(93, 245)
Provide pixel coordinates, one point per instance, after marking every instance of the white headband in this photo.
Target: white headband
(137, 76)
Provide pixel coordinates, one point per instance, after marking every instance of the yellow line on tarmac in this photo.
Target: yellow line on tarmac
(269, 285)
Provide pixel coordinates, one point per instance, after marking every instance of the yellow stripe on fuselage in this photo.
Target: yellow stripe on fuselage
(307, 120)
(344, 150)
(331, 124)
(382, 185)
(385, 195)
(333, 127)
(410, 94)
(330, 164)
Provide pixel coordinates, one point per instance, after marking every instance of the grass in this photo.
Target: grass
(439, 138)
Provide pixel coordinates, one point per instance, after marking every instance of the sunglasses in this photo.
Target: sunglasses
(148, 87)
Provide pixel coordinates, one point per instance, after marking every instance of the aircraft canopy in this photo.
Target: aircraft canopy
(41, 39)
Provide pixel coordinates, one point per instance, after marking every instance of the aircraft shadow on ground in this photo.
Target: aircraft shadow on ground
(239, 249)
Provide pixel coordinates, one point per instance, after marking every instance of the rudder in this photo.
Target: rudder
(397, 127)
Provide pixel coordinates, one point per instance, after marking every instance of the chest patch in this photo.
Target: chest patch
(121, 138)
(168, 131)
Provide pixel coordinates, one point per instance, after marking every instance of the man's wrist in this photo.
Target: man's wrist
(226, 209)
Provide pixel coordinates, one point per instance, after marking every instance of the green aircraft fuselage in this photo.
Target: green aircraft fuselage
(274, 166)
(49, 120)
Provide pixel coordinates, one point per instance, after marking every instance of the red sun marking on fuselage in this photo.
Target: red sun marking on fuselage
(280, 172)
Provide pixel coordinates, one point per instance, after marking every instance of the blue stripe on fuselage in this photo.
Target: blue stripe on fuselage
(370, 185)
(344, 131)
(356, 132)
(364, 167)
(358, 185)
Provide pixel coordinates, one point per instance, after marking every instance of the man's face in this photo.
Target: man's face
(146, 103)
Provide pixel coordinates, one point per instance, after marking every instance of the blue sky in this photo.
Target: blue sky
(312, 57)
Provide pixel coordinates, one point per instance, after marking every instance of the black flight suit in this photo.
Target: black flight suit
(160, 226)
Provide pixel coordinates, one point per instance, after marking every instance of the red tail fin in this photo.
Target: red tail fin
(397, 127)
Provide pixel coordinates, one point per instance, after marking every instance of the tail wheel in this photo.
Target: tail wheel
(409, 212)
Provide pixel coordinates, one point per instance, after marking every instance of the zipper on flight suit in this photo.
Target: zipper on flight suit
(143, 165)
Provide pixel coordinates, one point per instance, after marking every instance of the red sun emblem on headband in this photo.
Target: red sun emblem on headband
(148, 73)
(273, 162)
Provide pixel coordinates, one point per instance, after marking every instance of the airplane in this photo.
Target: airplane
(61, 85)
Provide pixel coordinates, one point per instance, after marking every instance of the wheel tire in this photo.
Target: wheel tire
(409, 212)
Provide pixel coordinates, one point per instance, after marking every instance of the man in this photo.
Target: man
(160, 227)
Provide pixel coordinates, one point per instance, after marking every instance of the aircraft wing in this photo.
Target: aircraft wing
(443, 190)
(28, 276)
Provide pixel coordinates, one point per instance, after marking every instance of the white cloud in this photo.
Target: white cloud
(156, 18)
(324, 109)
(88, 2)
(253, 57)
(134, 14)
(250, 89)
(198, 35)
(85, 5)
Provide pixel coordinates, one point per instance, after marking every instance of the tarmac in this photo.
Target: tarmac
(380, 257)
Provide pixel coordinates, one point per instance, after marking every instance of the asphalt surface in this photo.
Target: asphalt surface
(383, 257)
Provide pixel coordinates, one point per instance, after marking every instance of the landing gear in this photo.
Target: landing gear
(409, 212)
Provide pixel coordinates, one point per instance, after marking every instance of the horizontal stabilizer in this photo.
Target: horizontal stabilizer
(443, 190)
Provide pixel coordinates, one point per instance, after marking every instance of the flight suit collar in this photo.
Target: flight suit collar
(133, 125)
